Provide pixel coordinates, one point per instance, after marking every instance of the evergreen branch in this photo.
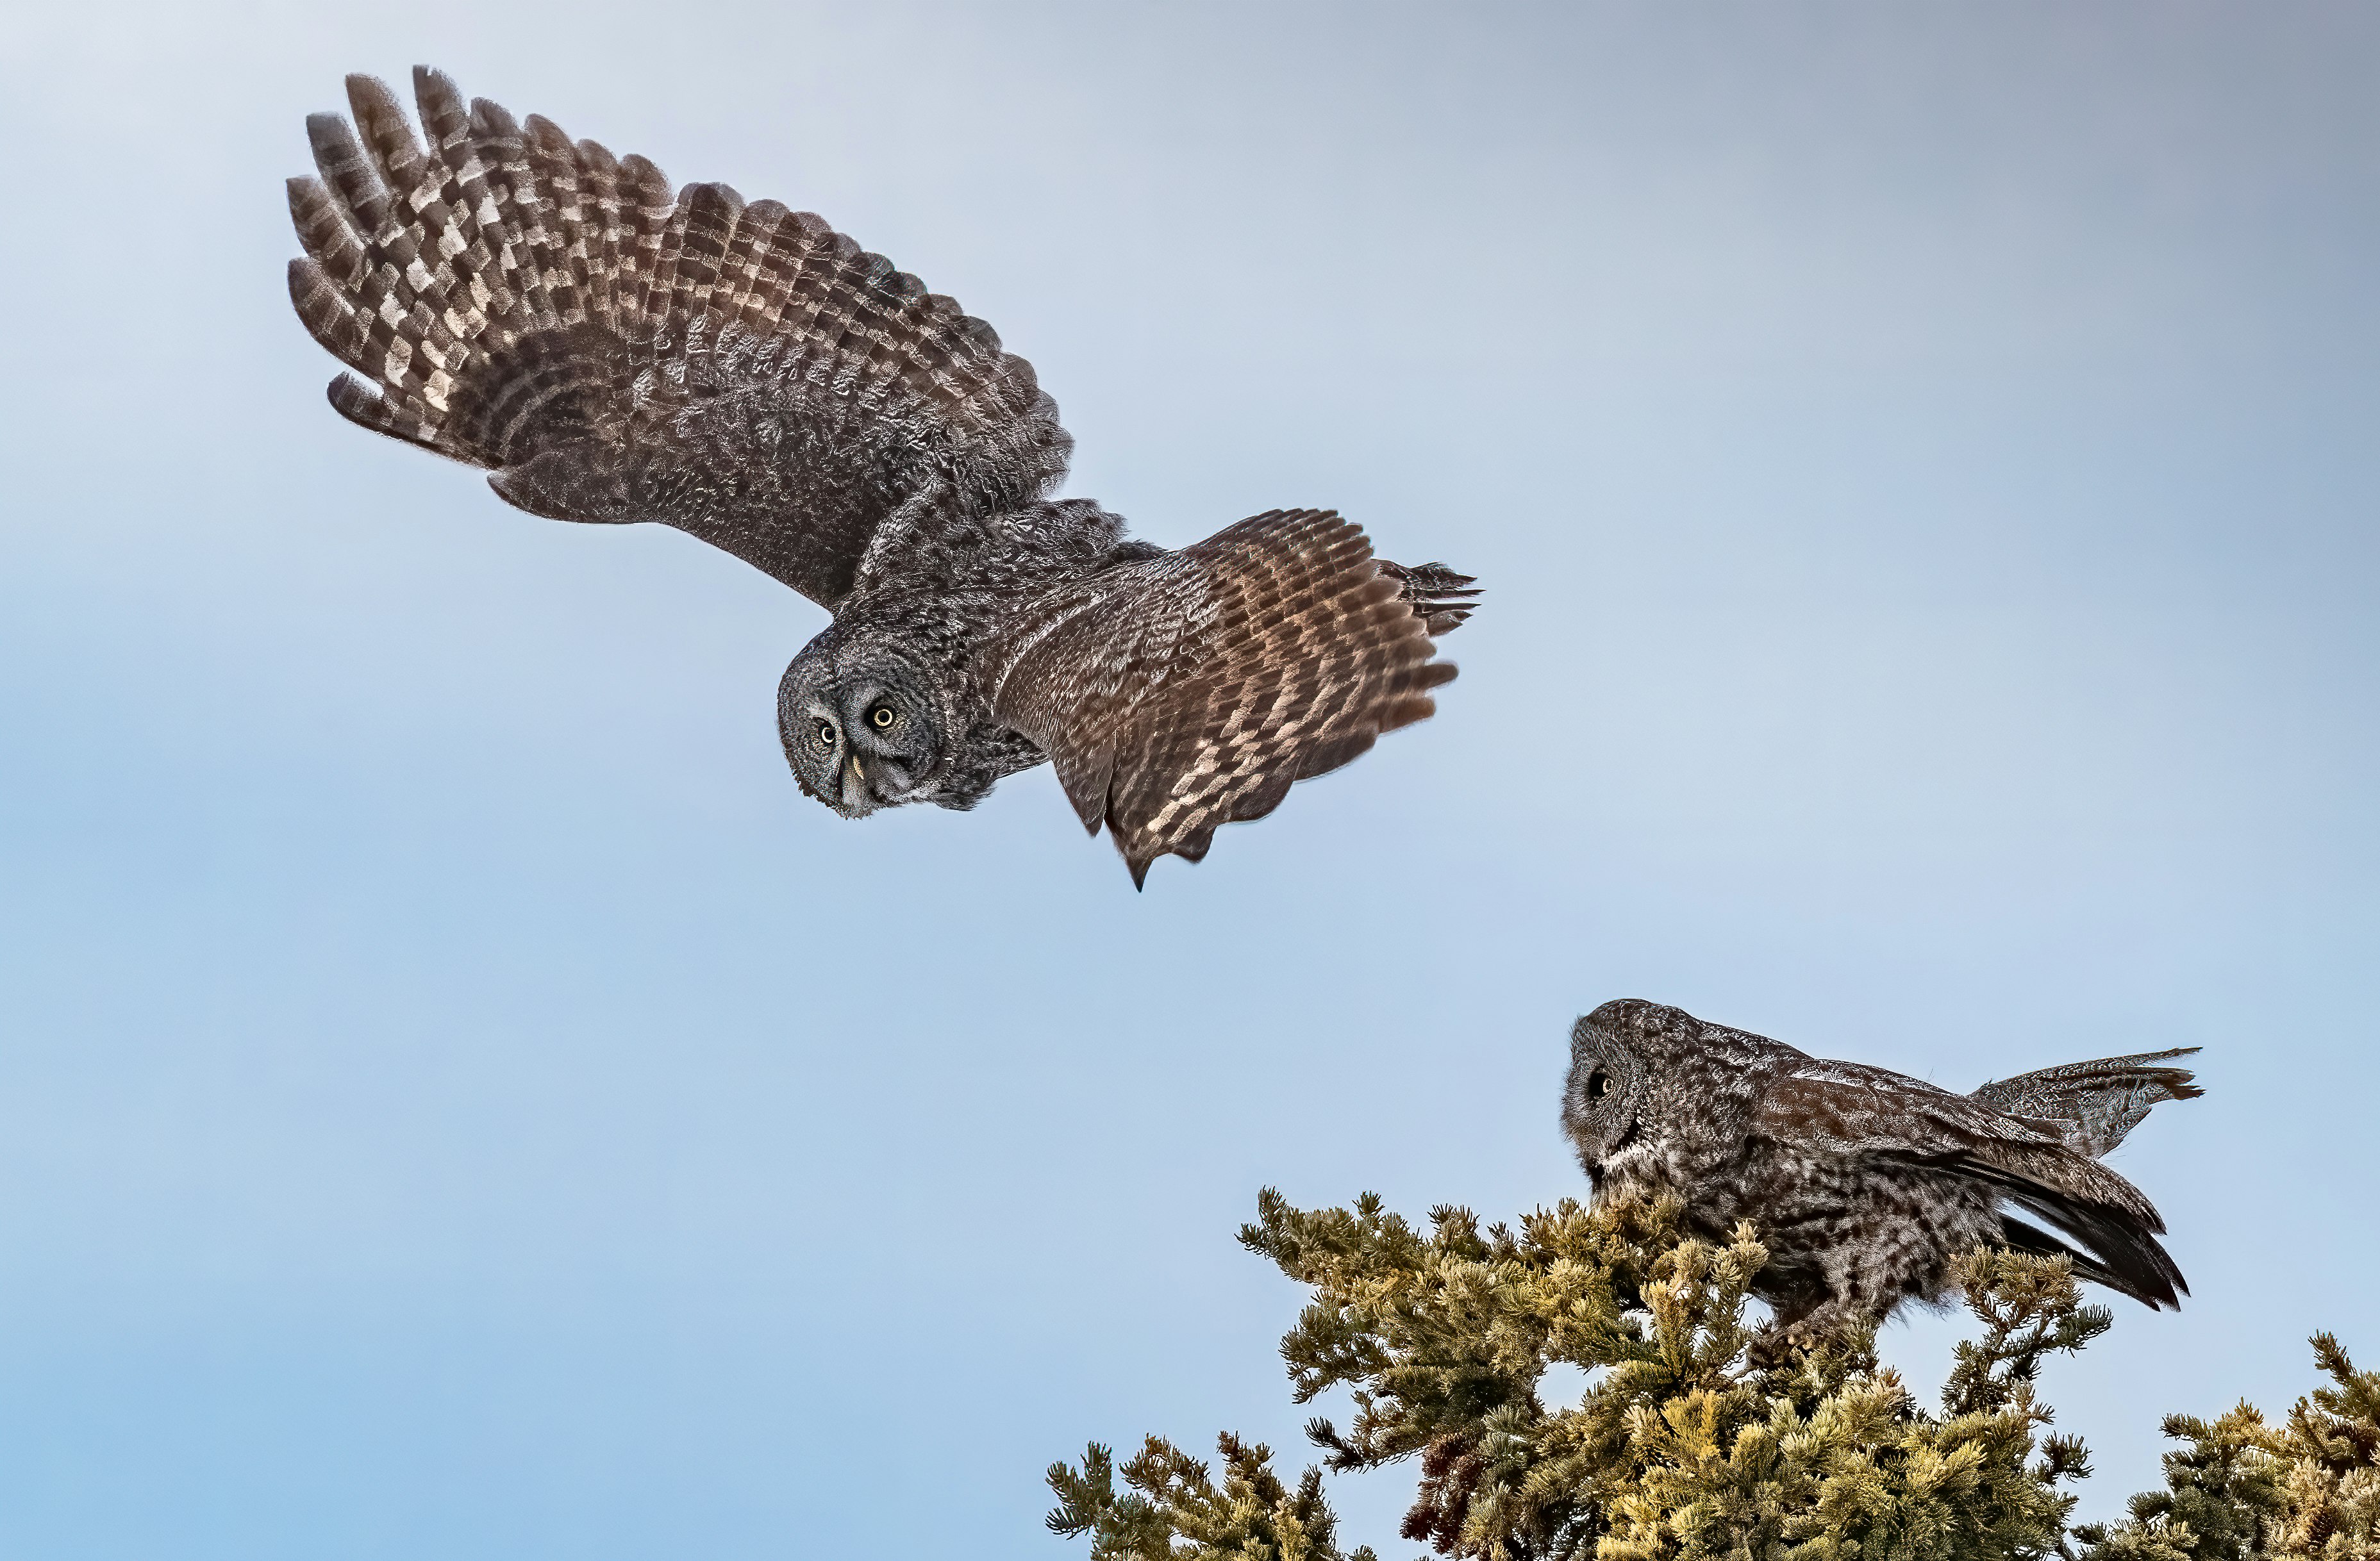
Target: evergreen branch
(1699, 1436)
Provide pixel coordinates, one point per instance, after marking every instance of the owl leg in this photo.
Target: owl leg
(1803, 1297)
(1843, 1289)
(1785, 1335)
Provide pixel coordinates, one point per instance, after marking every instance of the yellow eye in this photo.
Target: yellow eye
(1599, 1084)
(826, 735)
(882, 716)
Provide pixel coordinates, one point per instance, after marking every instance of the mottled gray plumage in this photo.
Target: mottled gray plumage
(1864, 1184)
(2094, 1105)
(609, 352)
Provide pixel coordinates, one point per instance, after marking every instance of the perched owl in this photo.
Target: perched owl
(609, 352)
(1864, 1184)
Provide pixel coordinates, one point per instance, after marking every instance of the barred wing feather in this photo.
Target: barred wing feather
(612, 351)
(1179, 693)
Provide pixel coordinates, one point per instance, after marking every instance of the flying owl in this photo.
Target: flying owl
(611, 352)
(1866, 1185)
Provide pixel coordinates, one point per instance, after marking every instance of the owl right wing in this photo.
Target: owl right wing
(1846, 1108)
(1177, 693)
(537, 307)
(2094, 1104)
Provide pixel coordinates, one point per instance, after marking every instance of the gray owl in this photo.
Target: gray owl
(1864, 1184)
(611, 352)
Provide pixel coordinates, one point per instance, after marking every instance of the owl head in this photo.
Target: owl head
(862, 724)
(1616, 1056)
(1649, 1083)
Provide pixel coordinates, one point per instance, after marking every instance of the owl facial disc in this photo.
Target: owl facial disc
(861, 730)
(1603, 1100)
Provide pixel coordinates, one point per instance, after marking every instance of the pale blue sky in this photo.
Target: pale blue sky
(458, 1099)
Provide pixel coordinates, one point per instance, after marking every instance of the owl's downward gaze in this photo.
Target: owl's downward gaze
(1866, 1185)
(865, 732)
(611, 352)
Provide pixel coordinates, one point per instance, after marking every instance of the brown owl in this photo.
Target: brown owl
(1865, 1184)
(609, 351)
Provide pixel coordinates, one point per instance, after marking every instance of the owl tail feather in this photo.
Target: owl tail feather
(2111, 1246)
(2033, 1241)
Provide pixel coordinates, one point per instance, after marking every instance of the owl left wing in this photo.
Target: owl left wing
(610, 351)
(1177, 693)
(1849, 1109)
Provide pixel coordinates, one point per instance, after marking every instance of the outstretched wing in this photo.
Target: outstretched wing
(1849, 1108)
(535, 306)
(1181, 691)
(2094, 1104)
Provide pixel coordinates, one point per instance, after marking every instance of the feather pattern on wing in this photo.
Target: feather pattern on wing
(1179, 693)
(2094, 1105)
(1849, 1108)
(612, 351)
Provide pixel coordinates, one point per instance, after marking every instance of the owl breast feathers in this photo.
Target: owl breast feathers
(1866, 1185)
(610, 351)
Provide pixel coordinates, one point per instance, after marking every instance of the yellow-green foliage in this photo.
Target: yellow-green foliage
(1697, 1434)
(1175, 1508)
(2244, 1490)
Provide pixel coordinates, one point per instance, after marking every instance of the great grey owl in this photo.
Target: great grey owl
(535, 306)
(1864, 1184)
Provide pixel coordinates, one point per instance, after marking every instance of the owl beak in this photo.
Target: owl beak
(856, 800)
